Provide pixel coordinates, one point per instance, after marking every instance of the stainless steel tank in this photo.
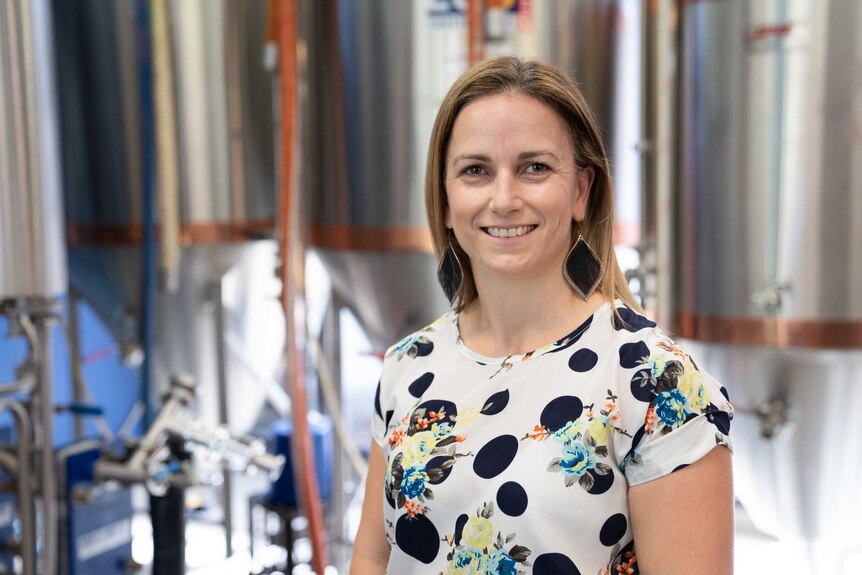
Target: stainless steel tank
(768, 279)
(599, 43)
(32, 248)
(374, 76)
(224, 169)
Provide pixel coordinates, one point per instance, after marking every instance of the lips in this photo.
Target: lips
(509, 232)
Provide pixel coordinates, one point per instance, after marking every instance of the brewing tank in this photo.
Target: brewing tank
(211, 131)
(32, 247)
(768, 283)
(374, 76)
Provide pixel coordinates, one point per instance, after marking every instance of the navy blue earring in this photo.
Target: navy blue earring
(583, 269)
(450, 274)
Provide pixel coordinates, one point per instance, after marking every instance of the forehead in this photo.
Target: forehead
(508, 120)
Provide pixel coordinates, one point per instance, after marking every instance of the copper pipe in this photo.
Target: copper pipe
(190, 233)
(475, 31)
(310, 496)
(371, 238)
(770, 331)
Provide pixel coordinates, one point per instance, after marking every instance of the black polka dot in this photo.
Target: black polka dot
(678, 467)
(720, 420)
(723, 391)
(560, 411)
(643, 386)
(496, 403)
(459, 527)
(601, 483)
(583, 360)
(613, 530)
(633, 354)
(420, 386)
(417, 537)
(436, 463)
(424, 348)
(512, 499)
(495, 456)
(554, 564)
(377, 408)
(631, 321)
(637, 438)
(571, 339)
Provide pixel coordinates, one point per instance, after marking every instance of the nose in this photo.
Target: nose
(505, 194)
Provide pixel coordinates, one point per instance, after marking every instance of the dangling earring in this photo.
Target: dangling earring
(450, 274)
(583, 269)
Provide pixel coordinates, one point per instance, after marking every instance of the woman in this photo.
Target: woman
(543, 426)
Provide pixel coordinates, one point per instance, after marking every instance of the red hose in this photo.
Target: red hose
(283, 27)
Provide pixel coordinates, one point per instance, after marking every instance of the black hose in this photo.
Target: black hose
(169, 532)
(169, 525)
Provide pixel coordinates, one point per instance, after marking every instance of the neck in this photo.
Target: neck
(514, 316)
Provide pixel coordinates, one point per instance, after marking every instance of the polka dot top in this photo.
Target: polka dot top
(522, 464)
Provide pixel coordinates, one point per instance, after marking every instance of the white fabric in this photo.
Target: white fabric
(531, 474)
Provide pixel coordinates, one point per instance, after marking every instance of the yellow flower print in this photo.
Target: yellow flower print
(691, 385)
(658, 363)
(417, 447)
(466, 417)
(478, 532)
(598, 430)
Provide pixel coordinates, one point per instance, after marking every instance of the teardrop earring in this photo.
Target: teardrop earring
(583, 269)
(450, 273)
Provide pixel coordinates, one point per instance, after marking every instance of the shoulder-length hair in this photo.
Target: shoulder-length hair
(547, 84)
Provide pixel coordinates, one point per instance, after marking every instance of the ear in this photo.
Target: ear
(447, 218)
(582, 193)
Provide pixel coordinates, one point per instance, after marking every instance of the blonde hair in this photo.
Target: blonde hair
(547, 84)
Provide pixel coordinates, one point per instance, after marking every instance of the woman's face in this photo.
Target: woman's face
(512, 186)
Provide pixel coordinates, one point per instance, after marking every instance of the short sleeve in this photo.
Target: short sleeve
(384, 395)
(676, 413)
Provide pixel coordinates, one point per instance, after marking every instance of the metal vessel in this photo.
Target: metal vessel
(196, 127)
(31, 206)
(768, 280)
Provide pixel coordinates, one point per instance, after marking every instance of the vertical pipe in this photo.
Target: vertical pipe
(167, 170)
(79, 393)
(143, 50)
(24, 491)
(221, 368)
(332, 335)
(46, 425)
(291, 304)
(475, 31)
(233, 74)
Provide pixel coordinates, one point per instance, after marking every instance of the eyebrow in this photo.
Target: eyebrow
(476, 157)
(522, 156)
(535, 154)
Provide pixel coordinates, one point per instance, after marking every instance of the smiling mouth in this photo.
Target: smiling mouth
(509, 232)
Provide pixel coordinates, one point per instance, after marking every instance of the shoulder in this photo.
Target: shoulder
(420, 343)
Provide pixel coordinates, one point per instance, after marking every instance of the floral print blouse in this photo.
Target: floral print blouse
(521, 465)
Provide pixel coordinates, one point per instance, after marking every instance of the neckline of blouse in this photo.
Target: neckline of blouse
(562, 343)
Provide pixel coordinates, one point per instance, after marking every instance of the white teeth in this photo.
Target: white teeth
(509, 232)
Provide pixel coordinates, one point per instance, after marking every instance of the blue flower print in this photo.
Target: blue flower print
(479, 552)
(672, 407)
(577, 459)
(467, 561)
(501, 563)
(413, 483)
